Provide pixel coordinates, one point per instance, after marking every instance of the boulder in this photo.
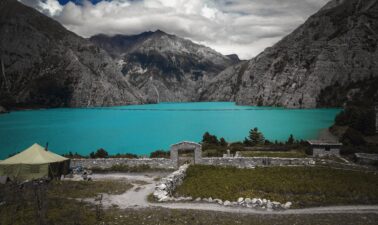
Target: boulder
(227, 203)
(287, 205)
(240, 200)
(247, 200)
(259, 201)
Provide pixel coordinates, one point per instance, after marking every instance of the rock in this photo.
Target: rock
(162, 186)
(248, 200)
(197, 199)
(210, 199)
(287, 205)
(269, 205)
(227, 203)
(276, 205)
(259, 201)
(240, 200)
(219, 201)
(254, 200)
(264, 201)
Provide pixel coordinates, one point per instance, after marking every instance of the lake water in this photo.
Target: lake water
(141, 129)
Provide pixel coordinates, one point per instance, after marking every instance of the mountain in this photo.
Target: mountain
(332, 50)
(45, 65)
(163, 66)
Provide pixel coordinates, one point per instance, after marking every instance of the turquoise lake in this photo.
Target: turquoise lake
(141, 129)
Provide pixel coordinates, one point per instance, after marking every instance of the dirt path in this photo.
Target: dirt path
(144, 185)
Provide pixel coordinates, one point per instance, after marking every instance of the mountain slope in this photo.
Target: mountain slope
(336, 46)
(43, 64)
(165, 67)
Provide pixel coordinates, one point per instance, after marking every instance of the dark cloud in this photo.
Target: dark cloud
(244, 27)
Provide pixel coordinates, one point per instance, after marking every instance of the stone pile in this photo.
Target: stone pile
(164, 189)
(249, 203)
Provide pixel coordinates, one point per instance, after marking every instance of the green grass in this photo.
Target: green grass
(86, 189)
(304, 186)
(55, 202)
(288, 154)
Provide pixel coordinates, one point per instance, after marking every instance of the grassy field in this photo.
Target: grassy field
(85, 189)
(304, 186)
(53, 203)
(288, 154)
(19, 206)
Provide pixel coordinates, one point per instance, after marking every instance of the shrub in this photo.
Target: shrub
(210, 139)
(125, 156)
(101, 153)
(160, 154)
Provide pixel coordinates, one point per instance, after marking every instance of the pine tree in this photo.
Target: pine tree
(222, 142)
(291, 140)
(256, 137)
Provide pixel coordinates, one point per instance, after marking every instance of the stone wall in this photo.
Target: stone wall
(165, 188)
(321, 152)
(108, 163)
(250, 162)
(240, 162)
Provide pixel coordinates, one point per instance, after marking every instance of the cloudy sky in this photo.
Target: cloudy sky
(244, 27)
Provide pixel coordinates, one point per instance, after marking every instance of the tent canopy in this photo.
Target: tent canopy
(34, 163)
(34, 155)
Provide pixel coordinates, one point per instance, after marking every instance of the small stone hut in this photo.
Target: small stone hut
(322, 148)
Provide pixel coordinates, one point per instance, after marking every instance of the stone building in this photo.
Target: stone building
(324, 148)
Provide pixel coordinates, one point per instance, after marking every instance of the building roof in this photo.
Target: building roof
(324, 143)
(34, 155)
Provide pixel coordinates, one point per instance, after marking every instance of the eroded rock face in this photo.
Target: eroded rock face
(337, 45)
(163, 66)
(43, 64)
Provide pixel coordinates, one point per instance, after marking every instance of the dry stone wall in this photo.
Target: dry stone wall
(251, 162)
(240, 162)
(159, 163)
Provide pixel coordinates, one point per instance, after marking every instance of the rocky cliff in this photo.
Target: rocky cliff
(45, 65)
(163, 66)
(334, 48)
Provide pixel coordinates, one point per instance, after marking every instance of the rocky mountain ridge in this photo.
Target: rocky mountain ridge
(45, 65)
(337, 45)
(163, 66)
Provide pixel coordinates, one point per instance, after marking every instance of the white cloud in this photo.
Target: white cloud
(243, 27)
